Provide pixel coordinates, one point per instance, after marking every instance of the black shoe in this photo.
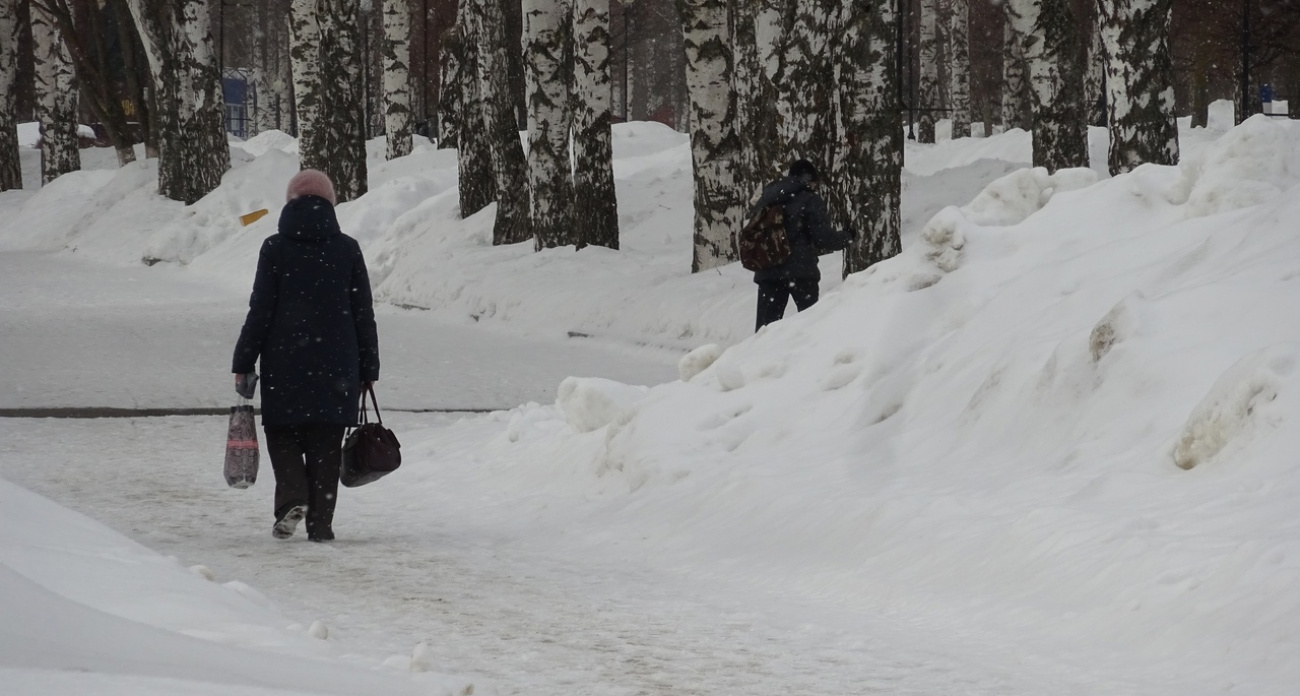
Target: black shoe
(284, 526)
(327, 535)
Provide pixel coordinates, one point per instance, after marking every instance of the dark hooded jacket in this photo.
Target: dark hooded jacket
(807, 227)
(311, 320)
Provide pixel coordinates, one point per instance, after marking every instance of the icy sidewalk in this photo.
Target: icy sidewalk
(437, 555)
(84, 610)
(77, 334)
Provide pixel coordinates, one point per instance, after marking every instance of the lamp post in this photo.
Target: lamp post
(1245, 59)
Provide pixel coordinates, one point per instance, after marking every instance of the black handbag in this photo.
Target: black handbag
(370, 451)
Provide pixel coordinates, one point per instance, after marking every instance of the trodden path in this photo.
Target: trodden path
(519, 610)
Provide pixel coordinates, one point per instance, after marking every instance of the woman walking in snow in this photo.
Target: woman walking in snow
(311, 321)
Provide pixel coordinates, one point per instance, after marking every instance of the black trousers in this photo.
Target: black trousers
(306, 461)
(773, 295)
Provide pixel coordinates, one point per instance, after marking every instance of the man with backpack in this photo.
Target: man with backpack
(789, 228)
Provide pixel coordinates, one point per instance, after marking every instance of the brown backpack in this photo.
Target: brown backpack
(762, 243)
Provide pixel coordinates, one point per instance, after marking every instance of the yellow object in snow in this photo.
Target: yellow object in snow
(252, 217)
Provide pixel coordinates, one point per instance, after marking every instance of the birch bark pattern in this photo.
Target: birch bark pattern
(512, 223)
(872, 167)
(451, 96)
(304, 56)
(1139, 83)
(187, 106)
(715, 147)
(11, 172)
(746, 80)
(56, 98)
(959, 66)
(477, 177)
(808, 84)
(1094, 85)
(769, 36)
(397, 77)
(337, 142)
(547, 42)
(596, 206)
(928, 97)
(1015, 91)
(1055, 61)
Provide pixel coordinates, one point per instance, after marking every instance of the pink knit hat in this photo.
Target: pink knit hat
(311, 182)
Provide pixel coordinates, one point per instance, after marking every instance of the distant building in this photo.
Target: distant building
(240, 97)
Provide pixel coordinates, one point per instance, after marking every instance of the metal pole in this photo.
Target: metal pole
(424, 88)
(1245, 60)
(911, 80)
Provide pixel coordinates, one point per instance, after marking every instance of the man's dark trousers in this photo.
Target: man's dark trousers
(306, 460)
(774, 294)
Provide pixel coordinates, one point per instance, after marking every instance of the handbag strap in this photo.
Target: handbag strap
(370, 389)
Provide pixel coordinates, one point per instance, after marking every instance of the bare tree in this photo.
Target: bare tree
(596, 209)
(177, 38)
(1055, 61)
(327, 88)
(959, 66)
(929, 89)
(397, 77)
(549, 71)
(1016, 99)
(807, 88)
(11, 172)
(512, 224)
(478, 180)
(304, 55)
(715, 146)
(56, 94)
(872, 166)
(1139, 82)
(454, 88)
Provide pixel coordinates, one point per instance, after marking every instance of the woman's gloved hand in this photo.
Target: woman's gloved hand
(246, 384)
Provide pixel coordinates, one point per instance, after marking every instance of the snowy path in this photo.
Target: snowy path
(76, 334)
(520, 610)
(524, 614)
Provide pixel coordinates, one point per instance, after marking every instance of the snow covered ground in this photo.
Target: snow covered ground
(1048, 449)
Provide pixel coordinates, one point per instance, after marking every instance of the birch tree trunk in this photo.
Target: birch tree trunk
(959, 66)
(193, 152)
(478, 179)
(746, 81)
(871, 183)
(338, 143)
(11, 172)
(1055, 63)
(451, 97)
(273, 100)
(715, 146)
(304, 55)
(397, 77)
(549, 74)
(1015, 90)
(596, 210)
(928, 98)
(771, 157)
(809, 86)
(1140, 83)
(512, 223)
(1094, 86)
(56, 98)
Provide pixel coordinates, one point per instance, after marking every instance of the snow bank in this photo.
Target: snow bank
(1068, 410)
(147, 625)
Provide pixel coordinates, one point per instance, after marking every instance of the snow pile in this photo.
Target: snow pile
(1070, 411)
(146, 625)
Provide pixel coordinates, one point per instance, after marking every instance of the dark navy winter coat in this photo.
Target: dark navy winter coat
(310, 320)
(807, 227)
